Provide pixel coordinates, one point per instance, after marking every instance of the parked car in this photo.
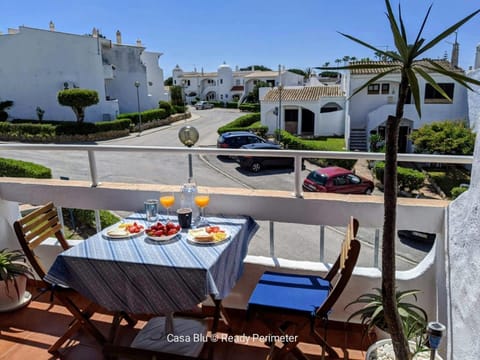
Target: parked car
(201, 105)
(236, 139)
(338, 180)
(258, 163)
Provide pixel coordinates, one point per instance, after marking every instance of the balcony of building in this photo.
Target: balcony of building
(28, 332)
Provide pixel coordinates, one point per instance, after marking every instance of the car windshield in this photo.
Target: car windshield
(318, 178)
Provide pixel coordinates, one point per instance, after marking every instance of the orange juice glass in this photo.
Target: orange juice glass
(202, 200)
(167, 200)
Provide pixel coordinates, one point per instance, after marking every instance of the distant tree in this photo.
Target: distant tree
(346, 59)
(327, 64)
(168, 81)
(4, 105)
(444, 137)
(253, 97)
(176, 95)
(338, 61)
(78, 100)
(257, 67)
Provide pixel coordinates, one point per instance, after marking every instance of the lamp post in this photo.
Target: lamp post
(188, 135)
(280, 88)
(137, 85)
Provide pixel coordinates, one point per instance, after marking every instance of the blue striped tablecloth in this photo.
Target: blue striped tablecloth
(141, 276)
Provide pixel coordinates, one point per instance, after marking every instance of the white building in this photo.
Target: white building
(369, 109)
(317, 111)
(305, 110)
(36, 64)
(227, 85)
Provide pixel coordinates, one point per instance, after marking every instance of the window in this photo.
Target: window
(432, 96)
(221, 81)
(373, 89)
(237, 82)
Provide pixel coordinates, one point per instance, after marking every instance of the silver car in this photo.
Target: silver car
(201, 105)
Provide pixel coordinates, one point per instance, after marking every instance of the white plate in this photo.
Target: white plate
(120, 233)
(163, 238)
(191, 239)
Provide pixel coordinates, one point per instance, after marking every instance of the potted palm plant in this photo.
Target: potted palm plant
(14, 271)
(413, 318)
(404, 60)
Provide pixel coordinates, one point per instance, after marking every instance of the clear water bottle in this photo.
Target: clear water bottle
(189, 190)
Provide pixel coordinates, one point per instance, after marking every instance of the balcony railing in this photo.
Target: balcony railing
(271, 206)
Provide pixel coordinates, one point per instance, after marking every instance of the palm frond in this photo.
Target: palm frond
(446, 33)
(419, 35)
(400, 42)
(432, 82)
(363, 43)
(412, 80)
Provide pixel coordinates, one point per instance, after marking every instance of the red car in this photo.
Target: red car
(338, 180)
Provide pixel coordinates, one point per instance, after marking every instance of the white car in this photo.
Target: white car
(201, 105)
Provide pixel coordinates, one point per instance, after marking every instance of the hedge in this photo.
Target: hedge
(249, 107)
(165, 105)
(147, 116)
(457, 191)
(407, 178)
(19, 168)
(88, 217)
(328, 144)
(241, 122)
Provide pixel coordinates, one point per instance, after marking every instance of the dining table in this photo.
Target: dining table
(138, 275)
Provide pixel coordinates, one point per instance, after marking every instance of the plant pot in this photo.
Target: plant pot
(380, 334)
(9, 299)
(383, 349)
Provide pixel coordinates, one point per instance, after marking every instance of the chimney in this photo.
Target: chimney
(95, 32)
(455, 52)
(477, 58)
(51, 26)
(236, 67)
(139, 43)
(119, 37)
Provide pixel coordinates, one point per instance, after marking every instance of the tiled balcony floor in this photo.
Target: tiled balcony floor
(27, 333)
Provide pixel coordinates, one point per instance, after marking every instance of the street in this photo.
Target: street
(210, 171)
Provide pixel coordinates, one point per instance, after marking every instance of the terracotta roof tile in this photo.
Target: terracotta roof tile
(307, 93)
(444, 63)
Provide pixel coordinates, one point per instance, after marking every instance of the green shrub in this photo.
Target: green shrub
(179, 109)
(249, 107)
(78, 100)
(18, 168)
(147, 116)
(118, 124)
(457, 191)
(242, 123)
(407, 178)
(87, 217)
(167, 107)
(449, 178)
(75, 128)
(232, 105)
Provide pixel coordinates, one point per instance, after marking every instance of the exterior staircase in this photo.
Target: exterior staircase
(358, 140)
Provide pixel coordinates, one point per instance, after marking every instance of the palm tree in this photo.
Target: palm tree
(4, 105)
(404, 60)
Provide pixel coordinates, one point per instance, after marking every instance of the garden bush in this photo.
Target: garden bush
(249, 107)
(87, 217)
(19, 168)
(240, 123)
(407, 178)
(179, 108)
(457, 191)
(165, 105)
(147, 116)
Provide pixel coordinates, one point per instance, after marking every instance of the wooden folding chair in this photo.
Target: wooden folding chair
(289, 303)
(32, 230)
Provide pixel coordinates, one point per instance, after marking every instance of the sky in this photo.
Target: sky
(205, 34)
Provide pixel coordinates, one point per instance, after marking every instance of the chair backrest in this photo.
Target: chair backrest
(342, 269)
(36, 227)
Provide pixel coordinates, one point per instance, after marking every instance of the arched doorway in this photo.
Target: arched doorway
(211, 95)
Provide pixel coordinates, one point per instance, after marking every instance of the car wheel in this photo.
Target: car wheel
(256, 167)
(369, 191)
